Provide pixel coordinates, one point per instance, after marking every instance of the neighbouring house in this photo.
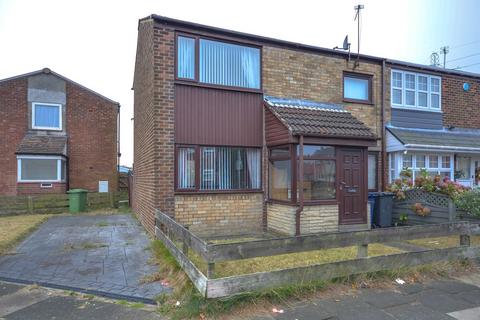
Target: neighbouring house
(435, 122)
(237, 133)
(55, 135)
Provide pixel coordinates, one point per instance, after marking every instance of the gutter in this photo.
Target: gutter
(428, 146)
(300, 208)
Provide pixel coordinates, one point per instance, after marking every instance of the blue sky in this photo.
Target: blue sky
(93, 42)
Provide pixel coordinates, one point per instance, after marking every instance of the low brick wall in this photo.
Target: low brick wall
(30, 188)
(313, 219)
(220, 214)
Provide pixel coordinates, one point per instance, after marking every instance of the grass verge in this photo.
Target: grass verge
(187, 303)
(13, 229)
(443, 242)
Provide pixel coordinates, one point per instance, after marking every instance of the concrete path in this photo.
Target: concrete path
(104, 255)
(20, 302)
(437, 300)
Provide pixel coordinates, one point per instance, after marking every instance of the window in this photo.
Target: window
(218, 63)
(372, 171)
(220, 168)
(434, 164)
(413, 90)
(318, 172)
(186, 57)
(186, 168)
(357, 87)
(44, 169)
(46, 116)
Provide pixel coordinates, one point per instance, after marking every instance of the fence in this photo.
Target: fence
(170, 232)
(55, 203)
(442, 207)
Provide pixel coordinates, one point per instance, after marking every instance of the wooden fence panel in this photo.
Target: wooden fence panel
(222, 287)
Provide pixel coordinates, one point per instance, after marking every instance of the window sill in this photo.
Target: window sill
(46, 129)
(193, 192)
(420, 109)
(305, 203)
(214, 86)
(367, 102)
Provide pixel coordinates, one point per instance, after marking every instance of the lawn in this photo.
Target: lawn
(291, 260)
(444, 242)
(15, 228)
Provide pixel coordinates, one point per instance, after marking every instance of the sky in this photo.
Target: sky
(94, 42)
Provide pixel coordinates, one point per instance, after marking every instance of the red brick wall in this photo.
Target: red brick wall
(154, 123)
(13, 125)
(92, 139)
(34, 188)
(460, 108)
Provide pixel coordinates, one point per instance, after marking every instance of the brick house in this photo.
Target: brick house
(236, 133)
(55, 135)
(435, 122)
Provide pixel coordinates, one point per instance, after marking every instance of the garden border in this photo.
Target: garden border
(169, 231)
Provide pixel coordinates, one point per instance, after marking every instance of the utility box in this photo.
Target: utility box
(382, 212)
(77, 200)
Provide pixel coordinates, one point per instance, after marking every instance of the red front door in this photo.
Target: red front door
(352, 186)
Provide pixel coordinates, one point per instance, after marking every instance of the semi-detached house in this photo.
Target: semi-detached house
(236, 133)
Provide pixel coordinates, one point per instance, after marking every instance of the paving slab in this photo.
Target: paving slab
(104, 254)
(416, 311)
(74, 309)
(468, 314)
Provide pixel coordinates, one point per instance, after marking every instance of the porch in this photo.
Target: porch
(452, 153)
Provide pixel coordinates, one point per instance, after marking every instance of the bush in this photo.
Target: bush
(425, 182)
(470, 202)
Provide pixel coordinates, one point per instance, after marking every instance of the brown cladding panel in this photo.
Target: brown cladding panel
(275, 131)
(217, 117)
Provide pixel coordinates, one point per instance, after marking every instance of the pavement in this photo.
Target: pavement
(435, 300)
(21, 302)
(105, 255)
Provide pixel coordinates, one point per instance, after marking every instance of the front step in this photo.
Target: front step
(353, 227)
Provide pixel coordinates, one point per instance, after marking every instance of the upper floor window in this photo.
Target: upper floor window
(414, 90)
(357, 87)
(46, 116)
(218, 63)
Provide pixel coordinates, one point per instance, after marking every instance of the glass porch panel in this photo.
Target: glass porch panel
(463, 168)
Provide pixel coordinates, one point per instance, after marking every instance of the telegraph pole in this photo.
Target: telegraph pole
(357, 8)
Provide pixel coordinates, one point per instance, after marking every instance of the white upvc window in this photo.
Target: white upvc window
(433, 163)
(46, 116)
(415, 91)
(41, 168)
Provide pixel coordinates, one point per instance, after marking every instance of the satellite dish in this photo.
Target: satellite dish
(346, 45)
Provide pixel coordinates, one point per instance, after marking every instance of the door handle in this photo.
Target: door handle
(342, 183)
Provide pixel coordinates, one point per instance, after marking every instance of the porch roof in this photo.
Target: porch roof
(454, 140)
(318, 119)
(43, 144)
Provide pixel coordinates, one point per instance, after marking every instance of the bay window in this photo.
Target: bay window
(319, 173)
(218, 63)
(41, 169)
(434, 164)
(218, 168)
(414, 90)
(47, 116)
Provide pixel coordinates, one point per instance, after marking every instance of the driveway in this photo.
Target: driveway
(104, 255)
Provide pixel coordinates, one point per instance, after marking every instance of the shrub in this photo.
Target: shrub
(470, 202)
(425, 182)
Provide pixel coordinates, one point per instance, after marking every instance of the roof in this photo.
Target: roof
(43, 144)
(310, 118)
(49, 71)
(300, 46)
(454, 139)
